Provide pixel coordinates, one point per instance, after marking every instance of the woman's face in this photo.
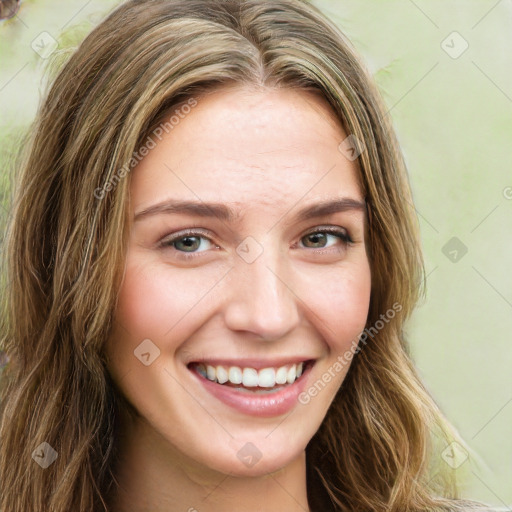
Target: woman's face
(224, 277)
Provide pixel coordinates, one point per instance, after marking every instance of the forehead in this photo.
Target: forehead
(247, 147)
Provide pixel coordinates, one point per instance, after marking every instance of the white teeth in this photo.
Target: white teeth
(267, 378)
(250, 377)
(222, 374)
(292, 374)
(210, 372)
(281, 375)
(235, 375)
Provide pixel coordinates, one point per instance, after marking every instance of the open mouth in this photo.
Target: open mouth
(251, 380)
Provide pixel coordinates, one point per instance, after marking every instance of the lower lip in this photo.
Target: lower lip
(267, 405)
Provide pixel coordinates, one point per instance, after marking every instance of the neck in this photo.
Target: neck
(153, 477)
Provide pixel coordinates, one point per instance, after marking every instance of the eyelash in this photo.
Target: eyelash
(167, 243)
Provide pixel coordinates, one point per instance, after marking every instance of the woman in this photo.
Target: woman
(212, 255)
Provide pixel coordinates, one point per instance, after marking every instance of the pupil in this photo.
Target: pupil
(190, 242)
(316, 237)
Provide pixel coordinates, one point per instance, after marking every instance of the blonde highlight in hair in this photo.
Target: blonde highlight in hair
(66, 250)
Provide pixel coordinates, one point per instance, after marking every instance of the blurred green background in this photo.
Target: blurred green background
(444, 70)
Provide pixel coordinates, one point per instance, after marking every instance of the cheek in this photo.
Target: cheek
(154, 300)
(341, 303)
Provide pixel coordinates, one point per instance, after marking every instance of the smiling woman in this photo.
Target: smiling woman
(251, 330)
(212, 255)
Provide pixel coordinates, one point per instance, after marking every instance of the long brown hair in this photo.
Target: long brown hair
(67, 242)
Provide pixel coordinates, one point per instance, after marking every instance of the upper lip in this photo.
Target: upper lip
(257, 364)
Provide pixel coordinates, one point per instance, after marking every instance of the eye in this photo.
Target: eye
(319, 238)
(188, 242)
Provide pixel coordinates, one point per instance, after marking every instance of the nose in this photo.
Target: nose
(262, 299)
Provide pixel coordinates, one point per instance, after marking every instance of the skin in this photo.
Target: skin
(242, 148)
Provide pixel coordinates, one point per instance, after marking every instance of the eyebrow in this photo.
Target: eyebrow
(225, 213)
